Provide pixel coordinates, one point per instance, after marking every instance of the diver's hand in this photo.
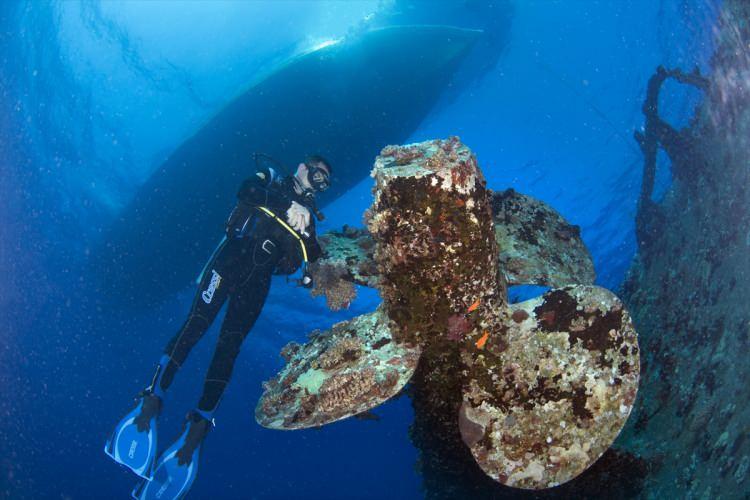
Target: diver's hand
(298, 216)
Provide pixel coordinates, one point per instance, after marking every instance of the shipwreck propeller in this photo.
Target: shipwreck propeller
(542, 406)
(339, 373)
(537, 391)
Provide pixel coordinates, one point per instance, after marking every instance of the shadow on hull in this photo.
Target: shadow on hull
(345, 100)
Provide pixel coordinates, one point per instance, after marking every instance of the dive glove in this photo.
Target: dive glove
(298, 216)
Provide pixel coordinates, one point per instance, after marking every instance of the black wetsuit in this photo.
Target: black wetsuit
(240, 270)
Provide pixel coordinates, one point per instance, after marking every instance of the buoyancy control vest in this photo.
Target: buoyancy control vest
(259, 214)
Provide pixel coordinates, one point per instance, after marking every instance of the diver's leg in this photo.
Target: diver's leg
(212, 292)
(177, 469)
(243, 309)
(133, 442)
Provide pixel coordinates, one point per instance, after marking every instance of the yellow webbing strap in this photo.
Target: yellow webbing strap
(288, 228)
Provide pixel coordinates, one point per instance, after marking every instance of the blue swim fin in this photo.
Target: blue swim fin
(133, 442)
(177, 467)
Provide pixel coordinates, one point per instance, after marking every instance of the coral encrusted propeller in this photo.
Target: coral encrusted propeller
(537, 390)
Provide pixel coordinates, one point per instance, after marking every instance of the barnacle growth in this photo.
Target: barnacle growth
(541, 410)
(537, 246)
(330, 281)
(350, 249)
(344, 371)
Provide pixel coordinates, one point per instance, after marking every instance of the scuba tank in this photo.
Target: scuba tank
(241, 221)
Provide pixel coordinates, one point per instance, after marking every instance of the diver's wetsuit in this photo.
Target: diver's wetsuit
(240, 270)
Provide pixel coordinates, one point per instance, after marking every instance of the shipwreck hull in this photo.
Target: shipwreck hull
(688, 288)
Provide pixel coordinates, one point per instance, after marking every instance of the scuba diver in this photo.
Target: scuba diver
(258, 243)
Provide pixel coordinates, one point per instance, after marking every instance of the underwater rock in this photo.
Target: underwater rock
(545, 406)
(338, 373)
(537, 246)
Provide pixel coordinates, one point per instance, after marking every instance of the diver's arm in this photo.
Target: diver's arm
(260, 189)
(314, 250)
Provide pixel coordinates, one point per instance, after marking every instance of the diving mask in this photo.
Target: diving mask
(318, 177)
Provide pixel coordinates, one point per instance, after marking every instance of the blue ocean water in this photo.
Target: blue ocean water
(95, 95)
